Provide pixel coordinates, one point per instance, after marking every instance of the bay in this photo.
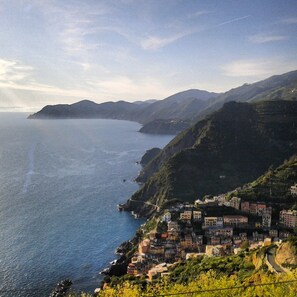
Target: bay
(60, 182)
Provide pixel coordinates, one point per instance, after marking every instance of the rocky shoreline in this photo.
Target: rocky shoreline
(118, 267)
(125, 250)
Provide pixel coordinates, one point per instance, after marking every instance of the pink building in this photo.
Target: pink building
(288, 218)
(245, 206)
(235, 220)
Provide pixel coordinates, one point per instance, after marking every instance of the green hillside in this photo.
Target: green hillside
(274, 184)
(231, 147)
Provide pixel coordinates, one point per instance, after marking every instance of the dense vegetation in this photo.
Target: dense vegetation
(230, 148)
(211, 284)
(240, 265)
(245, 274)
(274, 185)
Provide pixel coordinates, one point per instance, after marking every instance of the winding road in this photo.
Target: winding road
(157, 208)
(271, 259)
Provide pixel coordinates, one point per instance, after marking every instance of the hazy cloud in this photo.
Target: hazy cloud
(14, 71)
(257, 68)
(198, 13)
(124, 87)
(54, 51)
(245, 68)
(233, 20)
(18, 76)
(155, 42)
(73, 24)
(289, 20)
(267, 38)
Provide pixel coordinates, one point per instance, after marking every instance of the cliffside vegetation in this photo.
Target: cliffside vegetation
(234, 275)
(273, 185)
(286, 254)
(230, 148)
(213, 284)
(210, 283)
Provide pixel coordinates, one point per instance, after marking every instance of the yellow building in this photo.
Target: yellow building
(213, 221)
(144, 246)
(186, 215)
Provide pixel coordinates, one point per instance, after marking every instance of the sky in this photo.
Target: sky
(63, 51)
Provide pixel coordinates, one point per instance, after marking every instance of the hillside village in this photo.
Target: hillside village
(216, 226)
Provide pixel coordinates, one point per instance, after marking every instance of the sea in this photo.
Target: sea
(60, 183)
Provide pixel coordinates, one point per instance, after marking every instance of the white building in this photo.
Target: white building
(197, 215)
(167, 216)
(293, 190)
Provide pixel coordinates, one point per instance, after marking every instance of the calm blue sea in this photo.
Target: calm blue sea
(60, 182)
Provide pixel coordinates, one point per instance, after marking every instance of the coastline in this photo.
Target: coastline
(79, 182)
(118, 267)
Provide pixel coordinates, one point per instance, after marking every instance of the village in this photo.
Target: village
(216, 226)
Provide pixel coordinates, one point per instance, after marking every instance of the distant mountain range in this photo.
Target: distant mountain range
(173, 112)
(177, 112)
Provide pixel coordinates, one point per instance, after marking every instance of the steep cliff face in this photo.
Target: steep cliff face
(182, 141)
(149, 155)
(228, 149)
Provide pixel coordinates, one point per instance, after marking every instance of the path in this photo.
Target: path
(270, 254)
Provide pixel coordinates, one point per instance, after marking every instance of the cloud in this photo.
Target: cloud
(124, 87)
(198, 13)
(18, 76)
(233, 20)
(156, 42)
(267, 38)
(257, 68)
(14, 71)
(77, 26)
(73, 24)
(289, 20)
